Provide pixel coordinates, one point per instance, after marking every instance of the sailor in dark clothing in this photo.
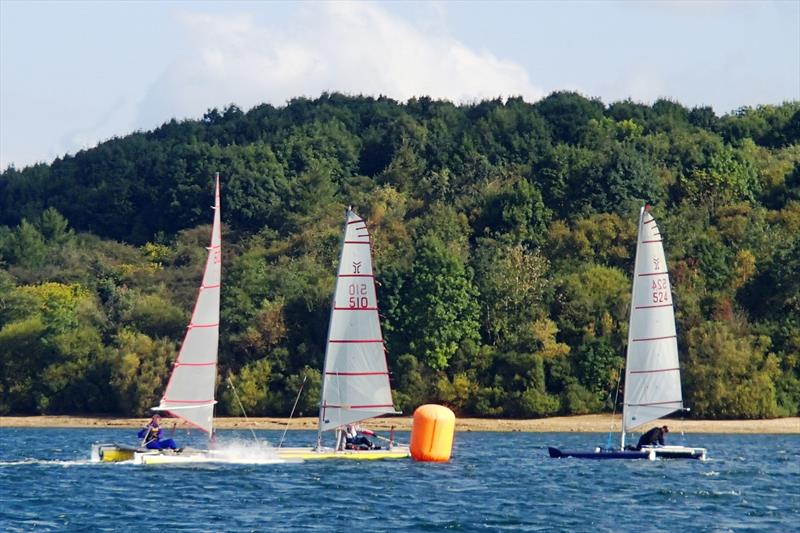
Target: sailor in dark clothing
(151, 436)
(654, 436)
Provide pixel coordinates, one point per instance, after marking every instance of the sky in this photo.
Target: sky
(75, 73)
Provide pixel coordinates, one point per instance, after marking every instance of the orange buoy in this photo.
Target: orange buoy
(432, 433)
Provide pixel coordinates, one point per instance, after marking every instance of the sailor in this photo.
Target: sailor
(654, 436)
(355, 439)
(151, 436)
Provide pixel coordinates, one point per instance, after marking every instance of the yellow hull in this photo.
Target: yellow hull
(310, 454)
(281, 455)
(114, 456)
(112, 453)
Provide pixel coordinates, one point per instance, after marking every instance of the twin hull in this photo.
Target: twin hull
(111, 453)
(647, 452)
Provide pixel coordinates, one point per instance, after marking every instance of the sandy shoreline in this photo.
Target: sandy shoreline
(585, 423)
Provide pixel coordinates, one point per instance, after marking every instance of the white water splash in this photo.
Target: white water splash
(228, 452)
(245, 452)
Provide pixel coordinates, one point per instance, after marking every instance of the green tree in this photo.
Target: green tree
(77, 380)
(729, 176)
(22, 356)
(140, 366)
(156, 317)
(28, 248)
(443, 307)
(568, 114)
(729, 376)
(512, 282)
(250, 387)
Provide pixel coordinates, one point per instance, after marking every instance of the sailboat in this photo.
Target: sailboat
(355, 376)
(652, 369)
(189, 394)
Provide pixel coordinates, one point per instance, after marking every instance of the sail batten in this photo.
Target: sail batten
(355, 375)
(190, 390)
(652, 375)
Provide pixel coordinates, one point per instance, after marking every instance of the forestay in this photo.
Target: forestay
(190, 392)
(355, 376)
(652, 372)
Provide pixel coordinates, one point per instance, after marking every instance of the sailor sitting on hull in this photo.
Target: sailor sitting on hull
(652, 437)
(355, 440)
(151, 436)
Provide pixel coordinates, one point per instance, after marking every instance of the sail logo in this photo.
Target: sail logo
(356, 267)
(656, 263)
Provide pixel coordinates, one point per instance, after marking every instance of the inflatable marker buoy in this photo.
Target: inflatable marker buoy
(432, 433)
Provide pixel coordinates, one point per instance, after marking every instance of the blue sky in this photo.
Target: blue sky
(75, 73)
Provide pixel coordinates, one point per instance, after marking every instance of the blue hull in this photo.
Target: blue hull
(602, 454)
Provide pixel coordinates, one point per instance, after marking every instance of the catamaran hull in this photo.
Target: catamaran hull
(280, 455)
(310, 454)
(678, 452)
(113, 453)
(647, 452)
(602, 454)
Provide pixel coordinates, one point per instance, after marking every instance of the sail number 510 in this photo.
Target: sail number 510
(357, 296)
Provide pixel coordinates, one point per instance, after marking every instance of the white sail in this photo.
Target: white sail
(190, 392)
(355, 381)
(652, 371)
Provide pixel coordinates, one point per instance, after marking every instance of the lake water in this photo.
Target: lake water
(495, 481)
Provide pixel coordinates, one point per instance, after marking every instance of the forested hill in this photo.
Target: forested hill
(503, 238)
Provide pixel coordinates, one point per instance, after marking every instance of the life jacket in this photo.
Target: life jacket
(152, 434)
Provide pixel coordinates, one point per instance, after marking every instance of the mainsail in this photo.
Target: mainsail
(355, 381)
(652, 371)
(190, 392)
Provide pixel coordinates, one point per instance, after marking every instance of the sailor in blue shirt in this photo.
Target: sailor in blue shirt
(151, 436)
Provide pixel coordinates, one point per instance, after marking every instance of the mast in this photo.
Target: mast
(630, 330)
(189, 394)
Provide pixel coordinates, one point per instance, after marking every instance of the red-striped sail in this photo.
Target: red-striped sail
(652, 371)
(355, 381)
(190, 392)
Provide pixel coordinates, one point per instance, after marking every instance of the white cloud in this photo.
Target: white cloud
(350, 47)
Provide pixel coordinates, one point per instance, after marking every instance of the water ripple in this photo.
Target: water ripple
(495, 482)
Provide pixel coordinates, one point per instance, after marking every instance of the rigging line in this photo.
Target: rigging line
(280, 443)
(614, 407)
(236, 395)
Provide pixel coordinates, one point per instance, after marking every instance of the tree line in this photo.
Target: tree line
(503, 241)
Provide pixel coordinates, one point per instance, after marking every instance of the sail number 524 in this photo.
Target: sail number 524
(660, 289)
(357, 296)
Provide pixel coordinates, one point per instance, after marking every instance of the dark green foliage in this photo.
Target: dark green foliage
(599, 366)
(503, 237)
(568, 115)
(443, 311)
